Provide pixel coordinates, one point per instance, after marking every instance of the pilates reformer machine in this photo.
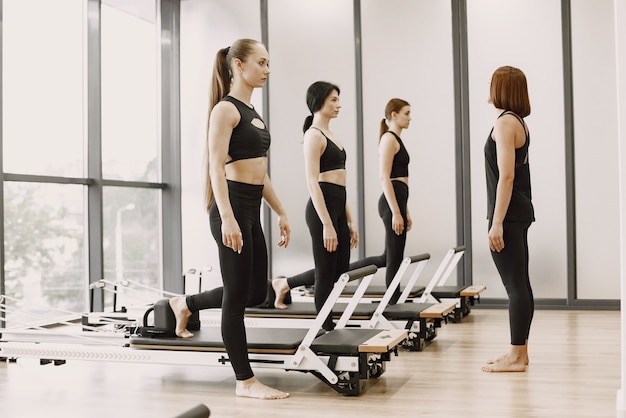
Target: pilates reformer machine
(342, 358)
(420, 320)
(436, 290)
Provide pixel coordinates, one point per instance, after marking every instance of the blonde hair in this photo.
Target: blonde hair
(220, 87)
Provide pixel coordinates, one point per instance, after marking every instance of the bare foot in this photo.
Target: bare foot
(502, 357)
(182, 314)
(281, 288)
(507, 363)
(252, 388)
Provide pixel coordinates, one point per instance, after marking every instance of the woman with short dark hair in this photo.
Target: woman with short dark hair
(509, 208)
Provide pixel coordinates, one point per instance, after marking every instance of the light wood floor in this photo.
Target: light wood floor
(574, 372)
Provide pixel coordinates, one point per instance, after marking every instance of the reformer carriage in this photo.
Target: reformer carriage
(342, 358)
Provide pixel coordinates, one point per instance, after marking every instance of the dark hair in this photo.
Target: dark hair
(220, 87)
(316, 95)
(393, 105)
(509, 91)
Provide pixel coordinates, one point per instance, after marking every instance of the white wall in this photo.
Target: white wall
(206, 26)
(595, 142)
(526, 35)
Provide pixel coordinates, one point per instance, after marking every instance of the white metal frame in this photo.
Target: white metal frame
(60, 347)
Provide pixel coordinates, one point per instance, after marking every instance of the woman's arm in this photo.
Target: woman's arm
(354, 232)
(387, 149)
(314, 145)
(270, 196)
(504, 135)
(224, 117)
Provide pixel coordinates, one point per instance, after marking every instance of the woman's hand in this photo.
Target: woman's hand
(354, 236)
(409, 221)
(397, 223)
(330, 238)
(496, 237)
(231, 235)
(285, 231)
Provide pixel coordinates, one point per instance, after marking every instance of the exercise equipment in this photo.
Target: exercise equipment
(341, 358)
(436, 290)
(420, 319)
(198, 411)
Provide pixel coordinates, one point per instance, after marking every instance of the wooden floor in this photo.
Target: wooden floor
(574, 372)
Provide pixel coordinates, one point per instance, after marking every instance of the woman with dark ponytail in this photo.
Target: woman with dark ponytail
(333, 232)
(237, 181)
(392, 205)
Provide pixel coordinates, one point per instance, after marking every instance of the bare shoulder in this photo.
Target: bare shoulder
(388, 140)
(315, 138)
(506, 128)
(225, 113)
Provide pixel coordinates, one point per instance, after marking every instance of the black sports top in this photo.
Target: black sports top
(521, 206)
(332, 158)
(247, 140)
(400, 165)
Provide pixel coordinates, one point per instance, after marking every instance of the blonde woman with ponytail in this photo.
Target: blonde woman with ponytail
(393, 168)
(237, 181)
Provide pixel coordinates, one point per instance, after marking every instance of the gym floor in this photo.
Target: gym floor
(574, 371)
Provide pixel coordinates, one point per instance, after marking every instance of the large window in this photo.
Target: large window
(42, 87)
(129, 94)
(130, 140)
(42, 135)
(44, 250)
(79, 204)
(131, 238)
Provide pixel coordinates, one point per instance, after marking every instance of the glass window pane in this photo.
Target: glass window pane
(44, 250)
(42, 87)
(131, 241)
(130, 107)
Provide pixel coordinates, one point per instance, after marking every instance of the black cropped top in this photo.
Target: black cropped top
(247, 140)
(333, 158)
(400, 165)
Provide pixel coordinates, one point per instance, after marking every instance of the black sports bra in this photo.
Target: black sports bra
(400, 165)
(247, 140)
(333, 158)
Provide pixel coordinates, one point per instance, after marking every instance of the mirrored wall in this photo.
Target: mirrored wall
(374, 52)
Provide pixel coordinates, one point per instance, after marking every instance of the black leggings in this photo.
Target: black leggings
(307, 278)
(244, 275)
(512, 264)
(394, 244)
(329, 265)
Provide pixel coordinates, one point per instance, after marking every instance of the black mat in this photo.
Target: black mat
(447, 291)
(401, 311)
(379, 291)
(211, 337)
(343, 341)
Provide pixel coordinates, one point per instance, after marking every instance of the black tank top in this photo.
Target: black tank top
(400, 165)
(247, 140)
(521, 207)
(332, 158)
